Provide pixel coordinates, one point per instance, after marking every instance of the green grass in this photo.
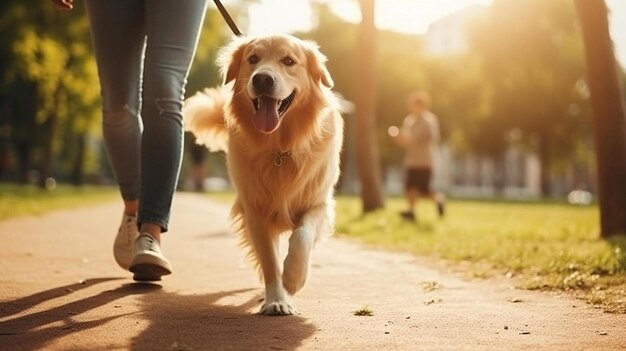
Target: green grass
(24, 200)
(547, 246)
(364, 311)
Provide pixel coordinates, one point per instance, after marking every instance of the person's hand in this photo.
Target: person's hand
(397, 136)
(64, 4)
(393, 131)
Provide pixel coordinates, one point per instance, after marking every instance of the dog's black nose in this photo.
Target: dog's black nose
(263, 82)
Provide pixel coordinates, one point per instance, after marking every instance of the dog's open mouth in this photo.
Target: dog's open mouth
(269, 110)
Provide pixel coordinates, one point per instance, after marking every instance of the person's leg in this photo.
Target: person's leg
(410, 191)
(411, 198)
(425, 189)
(198, 155)
(440, 202)
(118, 38)
(172, 29)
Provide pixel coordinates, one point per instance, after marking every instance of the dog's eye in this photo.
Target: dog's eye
(289, 61)
(254, 59)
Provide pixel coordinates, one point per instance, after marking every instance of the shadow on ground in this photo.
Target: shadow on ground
(208, 322)
(160, 320)
(10, 308)
(34, 330)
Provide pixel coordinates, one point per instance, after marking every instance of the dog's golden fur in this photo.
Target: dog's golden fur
(296, 196)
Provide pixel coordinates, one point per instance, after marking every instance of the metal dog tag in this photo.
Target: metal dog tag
(278, 157)
(278, 160)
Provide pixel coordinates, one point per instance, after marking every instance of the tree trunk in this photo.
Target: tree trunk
(50, 126)
(365, 101)
(23, 150)
(48, 150)
(609, 115)
(78, 169)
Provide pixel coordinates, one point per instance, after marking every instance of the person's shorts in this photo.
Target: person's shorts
(418, 178)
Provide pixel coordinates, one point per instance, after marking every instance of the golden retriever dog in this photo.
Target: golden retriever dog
(280, 125)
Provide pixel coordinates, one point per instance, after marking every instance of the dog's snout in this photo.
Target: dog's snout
(263, 82)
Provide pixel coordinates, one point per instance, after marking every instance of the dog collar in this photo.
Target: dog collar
(279, 156)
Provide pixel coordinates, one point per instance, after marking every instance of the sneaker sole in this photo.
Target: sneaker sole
(148, 272)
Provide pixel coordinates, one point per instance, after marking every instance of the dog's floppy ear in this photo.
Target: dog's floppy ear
(230, 57)
(317, 64)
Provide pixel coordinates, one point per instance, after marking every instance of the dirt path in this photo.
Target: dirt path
(61, 290)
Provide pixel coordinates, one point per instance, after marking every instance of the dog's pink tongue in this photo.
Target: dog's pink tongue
(266, 117)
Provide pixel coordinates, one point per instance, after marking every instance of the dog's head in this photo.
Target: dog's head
(274, 76)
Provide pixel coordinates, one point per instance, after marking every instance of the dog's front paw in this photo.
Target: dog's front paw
(277, 308)
(296, 265)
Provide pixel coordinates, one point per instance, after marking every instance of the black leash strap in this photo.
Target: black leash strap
(228, 19)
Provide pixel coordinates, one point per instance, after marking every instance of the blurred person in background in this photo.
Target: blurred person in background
(419, 137)
(198, 155)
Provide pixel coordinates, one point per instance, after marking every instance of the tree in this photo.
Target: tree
(365, 101)
(532, 63)
(204, 71)
(46, 54)
(609, 115)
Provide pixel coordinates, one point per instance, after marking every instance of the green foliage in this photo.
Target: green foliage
(521, 81)
(43, 61)
(543, 245)
(204, 71)
(50, 51)
(337, 40)
(461, 100)
(401, 70)
(531, 62)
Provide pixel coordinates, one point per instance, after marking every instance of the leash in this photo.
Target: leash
(228, 19)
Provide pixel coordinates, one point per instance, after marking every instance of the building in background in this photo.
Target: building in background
(446, 36)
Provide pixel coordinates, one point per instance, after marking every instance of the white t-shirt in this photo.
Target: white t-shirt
(420, 135)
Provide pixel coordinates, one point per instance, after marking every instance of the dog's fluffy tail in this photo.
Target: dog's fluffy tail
(203, 115)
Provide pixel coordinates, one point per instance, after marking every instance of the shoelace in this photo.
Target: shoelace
(149, 244)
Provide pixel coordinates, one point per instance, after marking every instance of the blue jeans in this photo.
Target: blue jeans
(144, 50)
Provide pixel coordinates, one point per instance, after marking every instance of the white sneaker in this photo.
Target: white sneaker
(123, 245)
(148, 262)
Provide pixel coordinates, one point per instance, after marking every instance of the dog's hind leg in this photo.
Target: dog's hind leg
(266, 246)
(301, 241)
